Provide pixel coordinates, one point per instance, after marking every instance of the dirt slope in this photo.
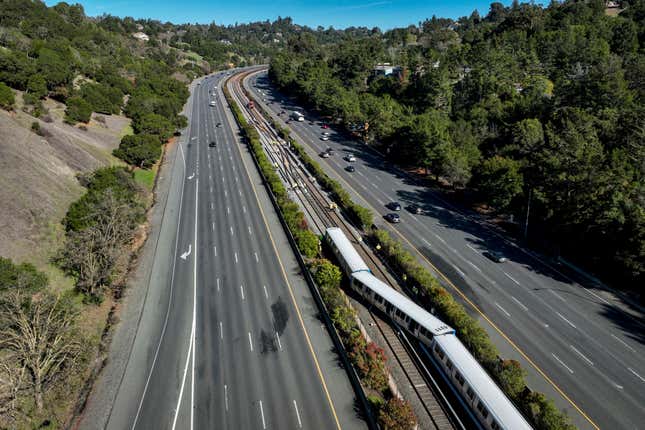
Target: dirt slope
(38, 177)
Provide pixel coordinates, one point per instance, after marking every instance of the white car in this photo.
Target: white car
(325, 138)
(350, 158)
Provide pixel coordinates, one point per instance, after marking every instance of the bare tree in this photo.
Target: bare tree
(90, 254)
(39, 336)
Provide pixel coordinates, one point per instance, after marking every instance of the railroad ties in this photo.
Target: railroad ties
(316, 204)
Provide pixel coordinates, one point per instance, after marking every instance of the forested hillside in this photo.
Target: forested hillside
(70, 89)
(525, 105)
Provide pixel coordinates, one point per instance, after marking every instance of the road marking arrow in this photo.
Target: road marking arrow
(191, 176)
(187, 253)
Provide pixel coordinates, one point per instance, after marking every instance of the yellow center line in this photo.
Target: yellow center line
(474, 306)
(293, 298)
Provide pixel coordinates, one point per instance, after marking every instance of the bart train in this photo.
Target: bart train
(486, 401)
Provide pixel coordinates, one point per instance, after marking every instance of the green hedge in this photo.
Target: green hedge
(367, 358)
(361, 216)
(307, 241)
(509, 375)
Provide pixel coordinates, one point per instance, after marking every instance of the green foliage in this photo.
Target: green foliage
(102, 98)
(78, 110)
(37, 86)
(153, 124)
(499, 180)
(141, 150)
(397, 414)
(7, 98)
(546, 100)
(22, 277)
(118, 180)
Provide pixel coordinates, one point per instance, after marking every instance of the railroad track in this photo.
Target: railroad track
(316, 203)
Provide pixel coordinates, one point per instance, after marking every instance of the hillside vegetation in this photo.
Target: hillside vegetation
(76, 97)
(528, 105)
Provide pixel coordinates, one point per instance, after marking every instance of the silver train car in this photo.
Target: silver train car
(486, 401)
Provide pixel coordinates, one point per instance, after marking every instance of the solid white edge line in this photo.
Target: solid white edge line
(172, 278)
(192, 379)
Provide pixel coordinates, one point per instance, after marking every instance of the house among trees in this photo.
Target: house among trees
(386, 69)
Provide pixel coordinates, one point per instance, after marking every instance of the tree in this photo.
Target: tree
(499, 180)
(397, 414)
(326, 274)
(37, 86)
(7, 98)
(78, 110)
(39, 335)
(90, 253)
(20, 277)
(153, 124)
(142, 150)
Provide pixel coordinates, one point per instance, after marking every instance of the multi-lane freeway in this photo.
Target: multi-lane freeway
(237, 344)
(582, 346)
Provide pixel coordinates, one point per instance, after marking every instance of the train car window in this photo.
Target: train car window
(470, 393)
(494, 425)
(459, 378)
(439, 351)
(449, 364)
(482, 409)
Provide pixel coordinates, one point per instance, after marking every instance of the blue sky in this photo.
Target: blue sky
(338, 13)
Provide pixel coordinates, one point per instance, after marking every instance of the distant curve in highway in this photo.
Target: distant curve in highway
(590, 350)
(233, 351)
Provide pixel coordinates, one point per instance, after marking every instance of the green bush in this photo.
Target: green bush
(78, 110)
(24, 277)
(152, 123)
(102, 98)
(141, 150)
(396, 414)
(508, 373)
(7, 98)
(121, 183)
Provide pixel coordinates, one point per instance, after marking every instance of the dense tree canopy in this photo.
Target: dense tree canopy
(537, 101)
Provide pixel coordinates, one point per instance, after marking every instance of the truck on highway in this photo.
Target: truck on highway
(297, 116)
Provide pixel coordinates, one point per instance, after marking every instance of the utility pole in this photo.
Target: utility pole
(528, 209)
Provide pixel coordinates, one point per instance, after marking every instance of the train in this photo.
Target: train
(487, 403)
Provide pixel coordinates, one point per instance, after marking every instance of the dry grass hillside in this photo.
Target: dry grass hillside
(38, 178)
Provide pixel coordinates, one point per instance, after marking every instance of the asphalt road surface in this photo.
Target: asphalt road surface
(232, 351)
(582, 346)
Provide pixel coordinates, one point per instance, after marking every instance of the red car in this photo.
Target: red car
(325, 126)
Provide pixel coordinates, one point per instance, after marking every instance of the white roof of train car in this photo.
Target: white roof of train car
(424, 318)
(498, 405)
(347, 250)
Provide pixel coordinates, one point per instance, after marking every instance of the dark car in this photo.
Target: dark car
(395, 206)
(393, 218)
(219, 124)
(350, 168)
(497, 257)
(415, 209)
(212, 144)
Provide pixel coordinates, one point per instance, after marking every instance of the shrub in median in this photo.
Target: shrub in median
(509, 375)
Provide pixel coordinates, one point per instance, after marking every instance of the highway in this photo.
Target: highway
(581, 346)
(234, 346)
